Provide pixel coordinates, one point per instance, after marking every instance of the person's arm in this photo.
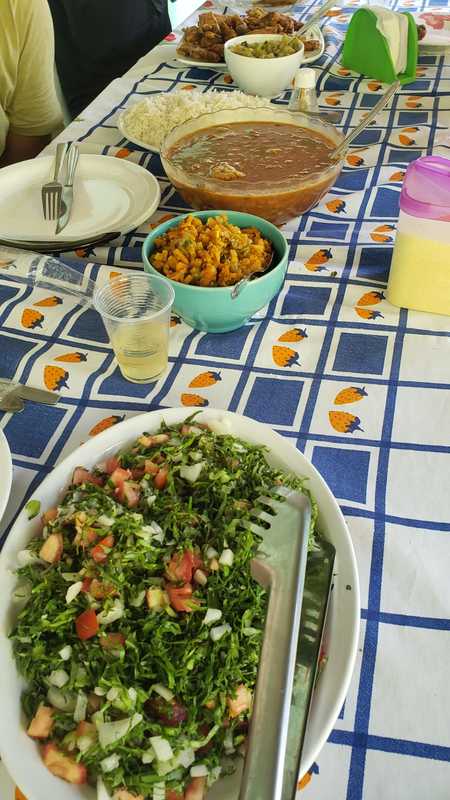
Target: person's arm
(34, 112)
(19, 148)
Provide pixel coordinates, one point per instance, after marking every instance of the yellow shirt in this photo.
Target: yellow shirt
(28, 102)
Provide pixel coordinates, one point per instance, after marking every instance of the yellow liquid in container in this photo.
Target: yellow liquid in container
(420, 273)
(141, 350)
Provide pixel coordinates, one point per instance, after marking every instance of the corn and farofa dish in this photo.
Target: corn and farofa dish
(211, 253)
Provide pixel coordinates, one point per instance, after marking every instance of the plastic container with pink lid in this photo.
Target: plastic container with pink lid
(420, 269)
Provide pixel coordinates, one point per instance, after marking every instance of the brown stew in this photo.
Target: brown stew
(250, 160)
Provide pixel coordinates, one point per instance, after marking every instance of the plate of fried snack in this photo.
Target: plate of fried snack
(202, 45)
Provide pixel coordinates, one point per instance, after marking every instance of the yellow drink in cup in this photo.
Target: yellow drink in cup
(135, 310)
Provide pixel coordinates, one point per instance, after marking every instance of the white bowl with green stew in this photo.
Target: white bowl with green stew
(264, 63)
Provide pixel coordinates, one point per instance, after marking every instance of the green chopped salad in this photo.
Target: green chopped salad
(140, 633)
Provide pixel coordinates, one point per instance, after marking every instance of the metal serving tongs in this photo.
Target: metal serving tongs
(280, 566)
(342, 148)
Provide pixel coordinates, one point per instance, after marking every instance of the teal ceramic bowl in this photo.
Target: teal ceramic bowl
(212, 308)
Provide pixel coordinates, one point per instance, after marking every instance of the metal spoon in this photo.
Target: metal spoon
(240, 285)
(382, 102)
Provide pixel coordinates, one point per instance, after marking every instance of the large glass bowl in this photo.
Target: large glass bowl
(277, 202)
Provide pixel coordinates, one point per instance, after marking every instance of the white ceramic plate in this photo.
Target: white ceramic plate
(437, 24)
(121, 124)
(314, 33)
(20, 753)
(6, 785)
(110, 194)
(5, 472)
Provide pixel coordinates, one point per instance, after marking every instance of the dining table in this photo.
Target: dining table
(359, 386)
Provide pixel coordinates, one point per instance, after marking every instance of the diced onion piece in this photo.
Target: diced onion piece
(80, 709)
(148, 757)
(106, 521)
(115, 613)
(138, 600)
(99, 691)
(132, 694)
(226, 558)
(214, 565)
(163, 691)
(58, 678)
(186, 757)
(211, 553)
(73, 590)
(212, 615)
(63, 701)
(162, 748)
(200, 577)
(110, 762)
(192, 472)
(26, 557)
(102, 793)
(214, 775)
(84, 743)
(250, 631)
(219, 631)
(199, 771)
(71, 576)
(228, 742)
(112, 694)
(111, 732)
(66, 652)
(159, 791)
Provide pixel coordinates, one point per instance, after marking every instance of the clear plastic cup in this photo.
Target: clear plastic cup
(135, 310)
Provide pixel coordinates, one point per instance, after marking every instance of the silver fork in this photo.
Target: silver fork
(52, 191)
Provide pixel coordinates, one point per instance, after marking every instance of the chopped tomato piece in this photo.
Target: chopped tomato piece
(52, 549)
(150, 467)
(86, 587)
(119, 476)
(181, 597)
(86, 729)
(137, 473)
(81, 475)
(49, 515)
(182, 565)
(171, 794)
(241, 702)
(42, 723)
(196, 789)
(63, 766)
(160, 479)
(87, 624)
(123, 794)
(131, 493)
(112, 464)
(101, 550)
(112, 641)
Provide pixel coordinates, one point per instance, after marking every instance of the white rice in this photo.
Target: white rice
(153, 118)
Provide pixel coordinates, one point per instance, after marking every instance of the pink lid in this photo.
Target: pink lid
(426, 188)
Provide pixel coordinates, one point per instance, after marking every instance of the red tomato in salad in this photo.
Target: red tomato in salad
(112, 641)
(181, 597)
(81, 475)
(100, 552)
(112, 464)
(171, 794)
(86, 624)
(160, 479)
(182, 565)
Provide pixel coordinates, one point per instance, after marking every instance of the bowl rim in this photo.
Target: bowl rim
(217, 213)
(327, 129)
(262, 37)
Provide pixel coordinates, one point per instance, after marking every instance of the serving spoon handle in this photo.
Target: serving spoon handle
(311, 21)
(382, 102)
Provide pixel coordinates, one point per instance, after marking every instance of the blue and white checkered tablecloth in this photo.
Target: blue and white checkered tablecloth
(383, 445)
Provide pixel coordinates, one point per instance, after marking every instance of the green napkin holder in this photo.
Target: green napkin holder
(366, 50)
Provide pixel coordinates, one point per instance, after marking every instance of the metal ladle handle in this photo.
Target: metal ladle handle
(317, 16)
(382, 102)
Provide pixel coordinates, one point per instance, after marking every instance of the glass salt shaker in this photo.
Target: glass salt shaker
(303, 96)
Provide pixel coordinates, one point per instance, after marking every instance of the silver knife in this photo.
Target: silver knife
(67, 192)
(10, 388)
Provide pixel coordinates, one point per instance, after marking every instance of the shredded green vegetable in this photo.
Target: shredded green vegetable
(167, 669)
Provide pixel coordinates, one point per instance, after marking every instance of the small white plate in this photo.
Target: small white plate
(314, 33)
(121, 124)
(6, 784)
(437, 24)
(5, 472)
(110, 194)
